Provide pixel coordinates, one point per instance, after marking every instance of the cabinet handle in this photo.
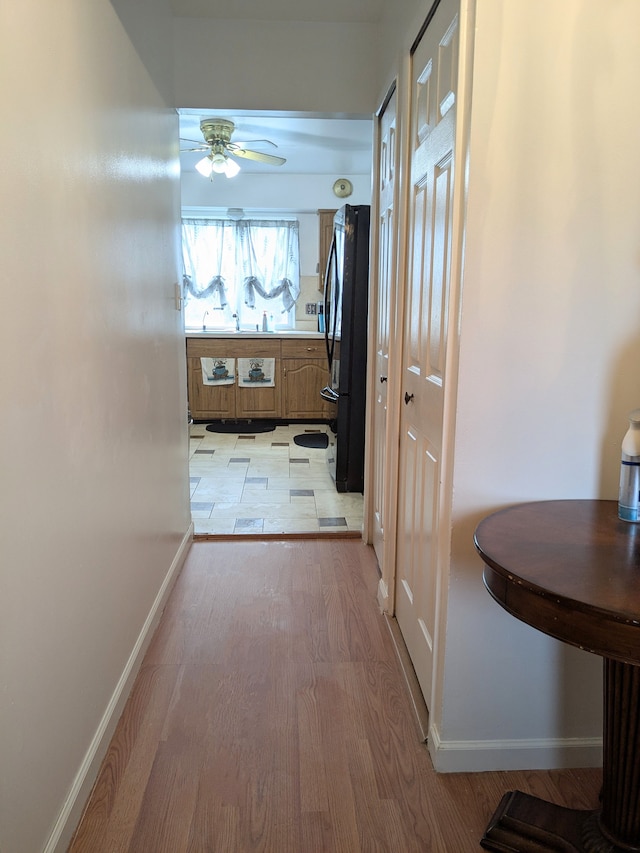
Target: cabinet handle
(383, 379)
(407, 398)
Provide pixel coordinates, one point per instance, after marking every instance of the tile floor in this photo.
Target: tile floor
(265, 483)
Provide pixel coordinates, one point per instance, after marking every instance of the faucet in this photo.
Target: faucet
(204, 321)
(237, 319)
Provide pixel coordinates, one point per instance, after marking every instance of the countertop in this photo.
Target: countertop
(293, 333)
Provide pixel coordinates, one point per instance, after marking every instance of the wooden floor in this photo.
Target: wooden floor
(270, 714)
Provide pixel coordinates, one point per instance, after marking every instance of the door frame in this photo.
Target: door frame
(386, 584)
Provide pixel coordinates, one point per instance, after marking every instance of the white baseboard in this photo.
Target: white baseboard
(71, 811)
(541, 754)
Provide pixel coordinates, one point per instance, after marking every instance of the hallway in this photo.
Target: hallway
(270, 714)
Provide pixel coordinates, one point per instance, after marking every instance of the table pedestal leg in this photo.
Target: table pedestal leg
(620, 818)
(526, 824)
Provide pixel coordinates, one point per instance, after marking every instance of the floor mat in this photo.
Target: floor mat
(242, 427)
(312, 439)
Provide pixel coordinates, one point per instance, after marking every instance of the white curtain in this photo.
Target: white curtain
(229, 263)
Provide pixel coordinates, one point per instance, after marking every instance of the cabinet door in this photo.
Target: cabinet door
(326, 232)
(302, 381)
(208, 401)
(260, 402)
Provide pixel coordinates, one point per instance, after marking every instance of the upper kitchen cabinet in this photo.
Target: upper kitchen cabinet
(325, 224)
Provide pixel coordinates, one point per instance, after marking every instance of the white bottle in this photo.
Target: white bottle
(629, 499)
(264, 322)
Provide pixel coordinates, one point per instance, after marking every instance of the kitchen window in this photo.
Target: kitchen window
(237, 271)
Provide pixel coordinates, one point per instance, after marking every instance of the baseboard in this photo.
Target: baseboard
(71, 811)
(263, 537)
(541, 754)
(420, 712)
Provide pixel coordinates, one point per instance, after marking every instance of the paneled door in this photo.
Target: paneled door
(425, 339)
(385, 286)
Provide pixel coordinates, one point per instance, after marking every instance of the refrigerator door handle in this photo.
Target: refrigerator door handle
(329, 394)
(329, 313)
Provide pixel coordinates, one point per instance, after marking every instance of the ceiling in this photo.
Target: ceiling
(311, 144)
(326, 11)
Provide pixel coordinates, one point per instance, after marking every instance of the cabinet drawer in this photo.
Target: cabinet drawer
(232, 348)
(304, 349)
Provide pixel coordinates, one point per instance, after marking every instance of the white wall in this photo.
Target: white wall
(271, 191)
(149, 27)
(550, 348)
(94, 499)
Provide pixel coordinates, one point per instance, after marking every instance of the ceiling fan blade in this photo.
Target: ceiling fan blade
(199, 148)
(251, 142)
(195, 141)
(259, 157)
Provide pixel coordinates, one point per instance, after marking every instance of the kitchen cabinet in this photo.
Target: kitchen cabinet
(300, 372)
(209, 402)
(325, 223)
(304, 374)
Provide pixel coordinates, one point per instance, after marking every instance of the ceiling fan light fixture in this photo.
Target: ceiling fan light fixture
(217, 136)
(218, 162)
(204, 166)
(231, 168)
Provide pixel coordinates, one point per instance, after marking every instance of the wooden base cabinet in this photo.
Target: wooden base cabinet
(304, 374)
(208, 401)
(259, 402)
(300, 373)
(213, 402)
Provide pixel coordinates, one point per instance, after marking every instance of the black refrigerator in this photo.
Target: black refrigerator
(346, 300)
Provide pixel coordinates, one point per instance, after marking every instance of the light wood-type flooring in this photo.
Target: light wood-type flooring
(270, 714)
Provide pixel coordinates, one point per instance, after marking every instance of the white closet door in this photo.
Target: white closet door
(432, 129)
(385, 287)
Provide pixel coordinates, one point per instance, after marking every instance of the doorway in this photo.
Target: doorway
(265, 483)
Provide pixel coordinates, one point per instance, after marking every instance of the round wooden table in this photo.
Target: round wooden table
(572, 570)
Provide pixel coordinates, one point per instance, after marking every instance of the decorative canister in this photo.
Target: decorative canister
(629, 499)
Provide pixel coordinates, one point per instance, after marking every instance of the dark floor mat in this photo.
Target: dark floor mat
(312, 439)
(242, 427)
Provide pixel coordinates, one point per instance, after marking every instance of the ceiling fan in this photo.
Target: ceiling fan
(217, 134)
